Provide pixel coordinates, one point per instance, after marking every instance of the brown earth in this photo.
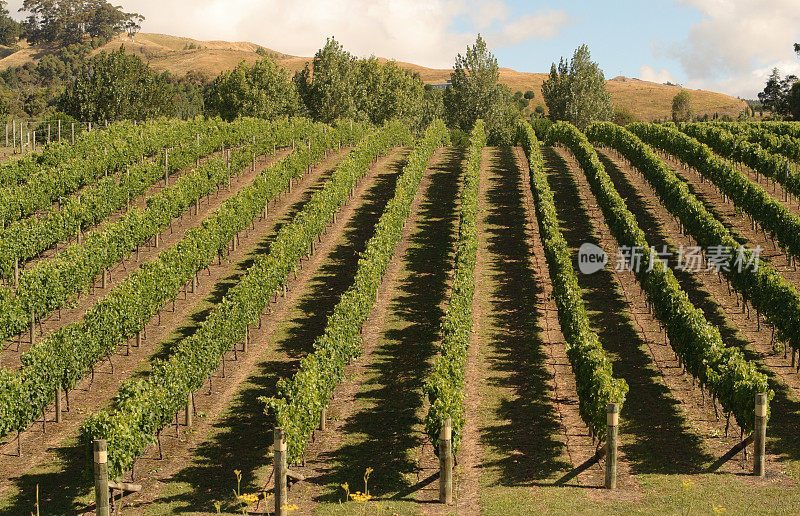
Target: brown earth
(123, 269)
(49, 450)
(374, 421)
(223, 419)
(723, 308)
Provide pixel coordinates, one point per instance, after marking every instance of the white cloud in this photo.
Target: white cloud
(648, 73)
(736, 41)
(420, 31)
(748, 84)
(543, 24)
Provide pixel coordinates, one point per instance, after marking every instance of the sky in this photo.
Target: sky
(721, 45)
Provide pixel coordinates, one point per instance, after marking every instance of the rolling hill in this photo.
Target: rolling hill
(178, 55)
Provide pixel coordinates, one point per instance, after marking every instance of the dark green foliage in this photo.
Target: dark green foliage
(338, 85)
(117, 86)
(475, 93)
(624, 117)
(776, 93)
(73, 21)
(576, 91)
(263, 90)
(794, 101)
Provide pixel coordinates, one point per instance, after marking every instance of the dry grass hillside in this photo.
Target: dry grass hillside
(646, 100)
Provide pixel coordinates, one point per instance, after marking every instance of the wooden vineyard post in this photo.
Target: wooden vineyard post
(189, 410)
(73, 133)
(760, 435)
(612, 420)
(101, 477)
(166, 168)
(58, 404)
(33, 326)
(279, 465)
(246, 338)
(323, 419)
(446, 462)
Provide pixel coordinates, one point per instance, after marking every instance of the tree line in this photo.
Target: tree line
(72, 80)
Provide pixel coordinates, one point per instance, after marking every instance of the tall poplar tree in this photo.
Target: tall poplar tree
(577, 92)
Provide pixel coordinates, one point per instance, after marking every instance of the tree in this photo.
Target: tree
(432, 105)
(529, 94)
(794, 101)
(339, 85)
(328, 94)
(623, 116)
(682, 107)
(116, 86)
(263, 90)
(10, 29)
(71, 21)
(576, 91)
(385, 91)
(475, 92)
(775, 96)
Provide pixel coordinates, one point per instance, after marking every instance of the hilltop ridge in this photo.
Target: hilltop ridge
(180, 55)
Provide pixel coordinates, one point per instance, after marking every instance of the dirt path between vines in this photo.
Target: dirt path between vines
(123, 269)
(657, 434)
(516, 428)
(375, 415)
(138, 202)
(55, 452)
(234, 431)
(723, 308)
(240, 434)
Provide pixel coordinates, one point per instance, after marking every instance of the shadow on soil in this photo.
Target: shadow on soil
(242, 439)
(656, 439)
(59, 489)
(222, 287)
(784, 432)
(383, 432)
(525, 432)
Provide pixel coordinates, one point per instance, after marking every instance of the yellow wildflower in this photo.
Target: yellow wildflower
(248, 499)
(358, 496)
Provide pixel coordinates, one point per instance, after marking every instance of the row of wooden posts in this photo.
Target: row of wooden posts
(281, 471)
(20, 137)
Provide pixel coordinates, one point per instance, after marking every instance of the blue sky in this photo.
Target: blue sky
(721, 45)
(622, 35)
